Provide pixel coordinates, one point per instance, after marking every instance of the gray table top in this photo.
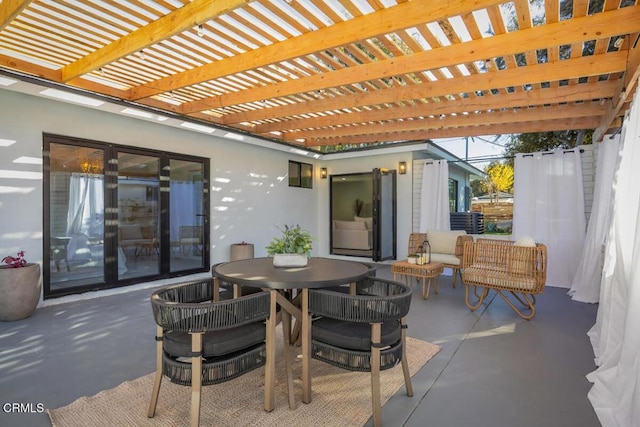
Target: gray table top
(319, 273)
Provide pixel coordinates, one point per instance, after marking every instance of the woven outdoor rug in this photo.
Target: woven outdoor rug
(339, 398)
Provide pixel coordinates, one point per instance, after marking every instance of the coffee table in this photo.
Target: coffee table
(426, 272)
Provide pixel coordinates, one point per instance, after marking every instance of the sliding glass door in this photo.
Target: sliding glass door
(138, 215)
(117, 215)
(187, 215)
(75, 237)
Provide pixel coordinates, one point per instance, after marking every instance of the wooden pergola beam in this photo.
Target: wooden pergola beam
(626, 87)
(526, 98)
(404, 15)
(523, 127)
(605, 24)
(9, 9)
(540, 73)
(593, 109)
(188, 16)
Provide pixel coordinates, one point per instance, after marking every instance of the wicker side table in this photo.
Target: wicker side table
(426, 272)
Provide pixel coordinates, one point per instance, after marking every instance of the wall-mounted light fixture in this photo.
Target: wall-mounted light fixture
(323, 173)
(402, 168)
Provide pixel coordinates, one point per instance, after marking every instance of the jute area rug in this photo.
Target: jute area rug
(339, 398)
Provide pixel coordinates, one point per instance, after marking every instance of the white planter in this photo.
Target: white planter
(290, 260)
(411, 260)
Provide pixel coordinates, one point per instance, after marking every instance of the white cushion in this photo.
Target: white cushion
(443, 241)
(349, 225)
(527, 241)
(368, 220)
(445, 258)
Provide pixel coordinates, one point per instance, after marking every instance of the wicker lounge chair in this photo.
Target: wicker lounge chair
(502, 265)
(363, 332)
(220, 340)
(447, 248)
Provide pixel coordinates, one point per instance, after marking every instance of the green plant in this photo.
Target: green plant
(15, 262)
(294, 240)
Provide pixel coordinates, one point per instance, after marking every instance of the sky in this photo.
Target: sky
(479, 147)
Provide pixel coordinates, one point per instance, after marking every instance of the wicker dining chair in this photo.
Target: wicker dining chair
(365, 332)
(218, 340)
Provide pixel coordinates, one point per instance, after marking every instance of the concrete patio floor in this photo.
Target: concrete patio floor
(494, 369)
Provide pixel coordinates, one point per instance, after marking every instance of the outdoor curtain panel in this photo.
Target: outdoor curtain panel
(615, 394)
(586, 282)
(550, 208)
(84, 215)
(434, 200)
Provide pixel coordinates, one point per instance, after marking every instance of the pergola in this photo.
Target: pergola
(324, 72)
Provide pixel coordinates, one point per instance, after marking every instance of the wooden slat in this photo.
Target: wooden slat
(392, 19)
(564, 32)
(347, 71)
(499, 117)
(180, 20)
(521, 99)
(537, 126)
(532, 74)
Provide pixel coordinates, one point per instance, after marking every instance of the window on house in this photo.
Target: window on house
(300, 174)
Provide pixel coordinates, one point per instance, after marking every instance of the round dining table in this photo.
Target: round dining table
(261, 273)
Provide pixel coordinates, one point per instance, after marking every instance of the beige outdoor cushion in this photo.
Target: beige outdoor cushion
(349, 225)
(367, 220)
(443, 241)
(445, 258)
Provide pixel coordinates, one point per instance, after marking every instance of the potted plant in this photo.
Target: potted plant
(412, 258)
(292, 248)
(19, 287)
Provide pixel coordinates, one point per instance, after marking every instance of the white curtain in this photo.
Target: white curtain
(586, 283)
(615, 394)
(85, 215)
(434, 199)
(549, 206)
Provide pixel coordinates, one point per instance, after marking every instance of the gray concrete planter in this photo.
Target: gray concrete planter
(290, 260)
(19, 291)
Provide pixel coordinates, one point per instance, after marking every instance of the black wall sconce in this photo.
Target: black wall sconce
(402, 168)
(323, 173)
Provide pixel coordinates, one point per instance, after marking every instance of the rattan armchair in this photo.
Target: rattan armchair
(502, 265)
(365, 332)
(218, 341)
(452, 258)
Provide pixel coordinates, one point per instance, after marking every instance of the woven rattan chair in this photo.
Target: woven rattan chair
(364, 333)
(218, 340)
(502, 265)
(452, 261)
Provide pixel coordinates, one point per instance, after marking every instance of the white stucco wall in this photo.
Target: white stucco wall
(248, 190)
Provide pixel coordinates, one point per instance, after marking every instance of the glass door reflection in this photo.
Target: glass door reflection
(76, 217)
(138, 215)
(187, 215)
